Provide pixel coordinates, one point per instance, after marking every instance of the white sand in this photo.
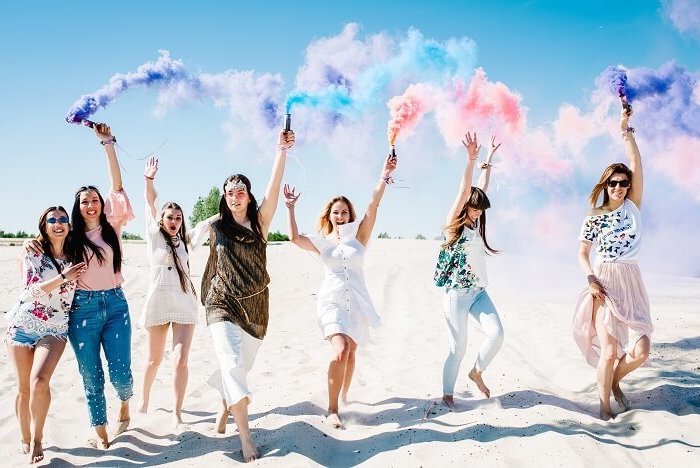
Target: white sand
(543, 405)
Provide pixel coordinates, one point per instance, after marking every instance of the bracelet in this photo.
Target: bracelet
(63, 276)
(387, 179)
(474, 159)
(485, 165)
(282, 148)
(592, 279)
(111, 141)
(149, 178)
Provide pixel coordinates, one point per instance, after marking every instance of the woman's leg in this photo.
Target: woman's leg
(86, 324)
(116, 343)
(349, 370)
(22, 357)
(336, 374)
(455, 307)
(608, 353)
(182, 340)
(484, 312)
(47, 353)
(157, 336)
(626, 365)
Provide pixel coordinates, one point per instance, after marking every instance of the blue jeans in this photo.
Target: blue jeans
(101, 319)
(458, 305)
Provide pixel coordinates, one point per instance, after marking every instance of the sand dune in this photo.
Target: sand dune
(541, 413)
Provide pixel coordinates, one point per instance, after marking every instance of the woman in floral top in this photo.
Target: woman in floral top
(461, 269)
(38, 325)
(612, 322)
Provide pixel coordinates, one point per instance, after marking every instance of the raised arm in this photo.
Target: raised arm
(104, 134)
(149, 175)
(472, 148)
(290, 199)
(364, 231)
(269, 204)
(485, 175)
(635, 159)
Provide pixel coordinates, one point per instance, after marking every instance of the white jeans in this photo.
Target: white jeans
(458, 305)
(236, 351)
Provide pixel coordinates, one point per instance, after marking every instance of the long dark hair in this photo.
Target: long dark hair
(185, 281)
(83, 247)
(477, 199)
(43, 237)
(228, 225)
(601, 186)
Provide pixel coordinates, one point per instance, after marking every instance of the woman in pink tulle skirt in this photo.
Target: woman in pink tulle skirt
(612, 323)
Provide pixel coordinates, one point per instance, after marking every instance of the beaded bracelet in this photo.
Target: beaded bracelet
(111, 141)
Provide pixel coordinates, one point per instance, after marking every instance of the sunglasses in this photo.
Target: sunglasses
(622, 183)
(62, 220)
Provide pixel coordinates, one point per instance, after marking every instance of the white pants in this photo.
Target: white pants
(236, 351)
(458, 305)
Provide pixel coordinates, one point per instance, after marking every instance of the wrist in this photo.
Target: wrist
(63, 276)
(387, 179)
(109, 141)
(149, 178)
(592, 279)
(281, 148)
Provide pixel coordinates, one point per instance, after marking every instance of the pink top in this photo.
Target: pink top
(99, 277)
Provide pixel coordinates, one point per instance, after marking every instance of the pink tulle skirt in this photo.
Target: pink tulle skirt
(625, 312)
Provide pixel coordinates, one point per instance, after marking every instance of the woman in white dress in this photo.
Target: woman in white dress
(345, 310)
(171, 301)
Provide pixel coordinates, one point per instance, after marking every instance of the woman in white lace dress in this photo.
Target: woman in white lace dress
(171, 302)
(345, 310)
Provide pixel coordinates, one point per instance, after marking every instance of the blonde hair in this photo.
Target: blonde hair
(324, 224)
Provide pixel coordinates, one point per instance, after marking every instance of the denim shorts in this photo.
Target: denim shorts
(18, 336)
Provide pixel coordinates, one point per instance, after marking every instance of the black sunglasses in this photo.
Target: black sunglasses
(622, 183)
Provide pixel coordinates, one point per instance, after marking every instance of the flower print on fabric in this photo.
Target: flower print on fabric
(462, 264)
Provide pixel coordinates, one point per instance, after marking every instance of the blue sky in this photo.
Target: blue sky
(549, 52)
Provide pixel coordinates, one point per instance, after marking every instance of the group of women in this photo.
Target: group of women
(72, 289)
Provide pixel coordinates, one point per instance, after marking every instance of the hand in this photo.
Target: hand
(151, 168)
(494, 146)
(33, 246)
(290, 196)
(103, 132)
(625, 118)
(285, 139)
(597, 290)
(74, 272)
(472, 145)
(389, 165)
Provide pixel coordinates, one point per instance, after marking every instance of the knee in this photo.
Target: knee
(23, 392)
(180, 361)
(341, 352)
(154, 361)
(40, 383)
(608, 355)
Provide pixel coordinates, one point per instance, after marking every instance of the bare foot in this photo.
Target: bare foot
(250, 452)
(221, 421)
(25, 447)
(122, 426)
(620, 398)
(37, 453)
(449, 401)
(475, 375)
(334, 420)
(99, 443)
(606, 415)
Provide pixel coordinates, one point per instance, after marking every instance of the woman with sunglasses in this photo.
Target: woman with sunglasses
(171, 301)
(612, 321)
(38, 325)
(99, 318)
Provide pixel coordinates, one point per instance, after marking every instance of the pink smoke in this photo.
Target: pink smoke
(681, 164)
(408, 109)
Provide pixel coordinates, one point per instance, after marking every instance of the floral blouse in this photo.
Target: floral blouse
(462, 264)
(617, 234)
(38, 311)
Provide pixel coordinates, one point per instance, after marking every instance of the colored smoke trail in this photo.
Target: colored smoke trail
(407, 110)
(164, 70)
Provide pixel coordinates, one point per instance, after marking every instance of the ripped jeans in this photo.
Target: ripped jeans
(100, 319)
